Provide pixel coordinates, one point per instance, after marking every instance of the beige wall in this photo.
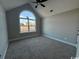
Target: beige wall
(63, 26)
(3, 33)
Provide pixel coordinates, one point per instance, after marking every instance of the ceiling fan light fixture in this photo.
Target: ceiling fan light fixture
(51, 10)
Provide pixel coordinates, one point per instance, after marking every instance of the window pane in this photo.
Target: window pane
(27, 22)
(32, 25)
(23, 25)
(26, 14)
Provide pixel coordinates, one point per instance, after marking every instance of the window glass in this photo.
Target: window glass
(27, 22)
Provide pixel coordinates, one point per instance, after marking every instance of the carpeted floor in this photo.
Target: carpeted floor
(39, 48)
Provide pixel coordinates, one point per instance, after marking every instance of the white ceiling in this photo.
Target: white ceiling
(57, 5)
(9, 4)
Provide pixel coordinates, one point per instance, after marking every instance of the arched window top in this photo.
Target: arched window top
(25, 14)
(27, 22)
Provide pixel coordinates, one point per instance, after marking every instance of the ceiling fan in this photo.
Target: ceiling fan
(39, 2)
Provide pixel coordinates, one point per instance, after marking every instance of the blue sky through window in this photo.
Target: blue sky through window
(29, 14)
(25, 14)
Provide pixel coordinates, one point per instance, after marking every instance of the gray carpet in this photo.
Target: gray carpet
(39, 48)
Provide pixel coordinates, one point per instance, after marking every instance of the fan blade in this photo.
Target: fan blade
(44, 0)
(36, 6)
(42, 5)
(38, 0)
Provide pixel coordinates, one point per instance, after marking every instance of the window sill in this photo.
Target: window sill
(27, 32)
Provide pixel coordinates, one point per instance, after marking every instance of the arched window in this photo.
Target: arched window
(27, 22)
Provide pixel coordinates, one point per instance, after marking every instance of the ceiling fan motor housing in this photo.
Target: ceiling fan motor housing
(41, 0)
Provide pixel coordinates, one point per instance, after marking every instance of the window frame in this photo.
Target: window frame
(28, 22)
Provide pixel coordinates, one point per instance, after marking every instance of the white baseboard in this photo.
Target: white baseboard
(5, 53)
(51, 37)
(24, 37)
